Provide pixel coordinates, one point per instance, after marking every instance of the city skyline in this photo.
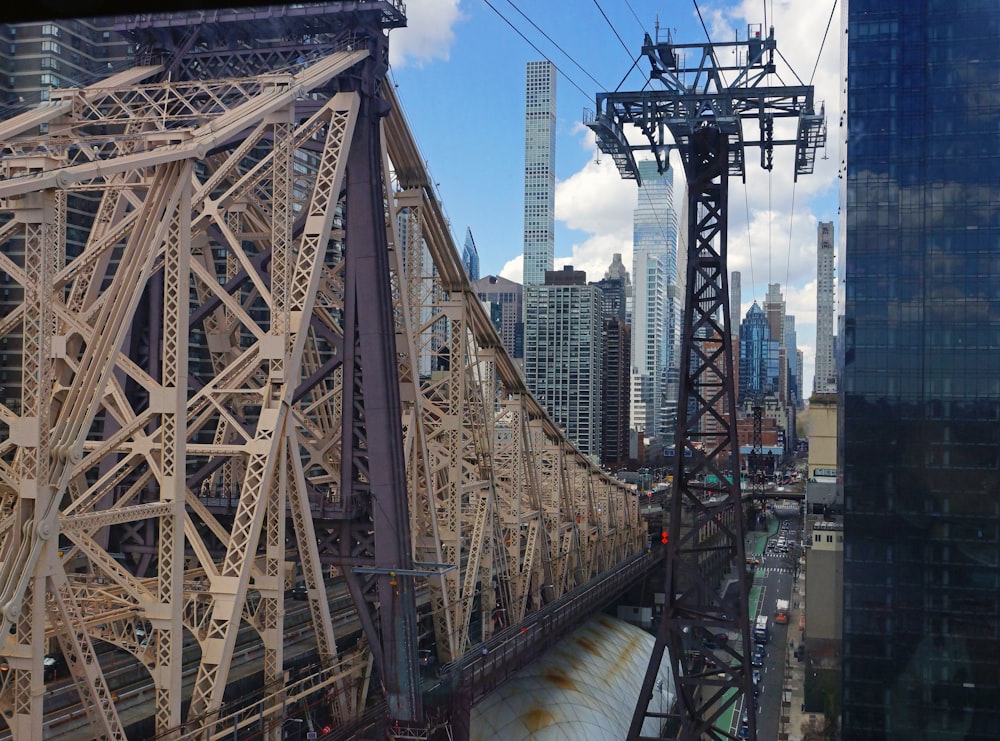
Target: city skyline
(451, 45)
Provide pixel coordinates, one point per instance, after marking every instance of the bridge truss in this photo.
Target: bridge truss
(246, 349)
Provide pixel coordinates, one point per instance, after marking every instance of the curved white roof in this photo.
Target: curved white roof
(584, 687)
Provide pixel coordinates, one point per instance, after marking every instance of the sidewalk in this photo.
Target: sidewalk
(793, 688)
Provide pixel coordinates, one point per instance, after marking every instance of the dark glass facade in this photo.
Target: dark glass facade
(921, 386)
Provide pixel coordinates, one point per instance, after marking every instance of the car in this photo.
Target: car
(426, 658)
(744, 731)
(757, 660)
(756, 676)
(53, 667)
(299, 592)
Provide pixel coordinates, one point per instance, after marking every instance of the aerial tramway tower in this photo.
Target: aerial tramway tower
(689, 106)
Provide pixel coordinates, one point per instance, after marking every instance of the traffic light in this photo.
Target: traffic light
(664, 537)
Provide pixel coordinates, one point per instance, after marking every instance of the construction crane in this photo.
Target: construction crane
(689, 106)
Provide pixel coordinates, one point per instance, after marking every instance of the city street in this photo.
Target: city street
(773, 579)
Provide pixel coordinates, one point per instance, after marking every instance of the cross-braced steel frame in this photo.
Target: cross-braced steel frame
(704, 631)
(249, 356)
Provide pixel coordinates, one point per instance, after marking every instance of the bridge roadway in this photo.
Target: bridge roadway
(132, 686)
(461, 683)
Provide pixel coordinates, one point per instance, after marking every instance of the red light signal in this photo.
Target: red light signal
(664, 537)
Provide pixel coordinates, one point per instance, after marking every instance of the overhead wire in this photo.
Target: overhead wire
(551, 41)
(644, 29)
(753, 281)
(533, 46)
(615, 30)
(823, 43)
(791, 223)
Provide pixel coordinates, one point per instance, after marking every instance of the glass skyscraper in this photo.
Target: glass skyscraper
(656, 304)
(921, 385)
(470, 257)
(758, 358)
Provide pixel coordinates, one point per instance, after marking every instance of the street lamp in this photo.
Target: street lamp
(298, 728)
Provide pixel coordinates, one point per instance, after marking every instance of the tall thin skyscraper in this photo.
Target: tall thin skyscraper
(774, 310)
(791, 353)
(656, 304)
(921, 383)
(825, 378)
(615, 365)
(735, 301)
(539, 171)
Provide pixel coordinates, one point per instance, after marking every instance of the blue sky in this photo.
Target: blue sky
(459, 71)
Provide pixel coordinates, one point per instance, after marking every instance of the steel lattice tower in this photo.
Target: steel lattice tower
(704, 114)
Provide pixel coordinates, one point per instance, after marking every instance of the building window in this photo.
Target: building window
(50, 80)
(51, 30)
(53, 47)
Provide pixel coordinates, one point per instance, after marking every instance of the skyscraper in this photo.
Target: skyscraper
(539, 171)
(774, 310)
(615, 363)
(791, 353)
(504, 298)
(735, 303)
(825, 378)
(470, 256)
(562, 353)
(55, 54)
(758, 358)
(656, 304)
(921, 383)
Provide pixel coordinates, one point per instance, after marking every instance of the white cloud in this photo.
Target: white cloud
(513, 269)
(428, 35)
(597, 201)
(593, 255)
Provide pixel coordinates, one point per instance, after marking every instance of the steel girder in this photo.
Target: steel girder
(509, 511)
(705, 634)
(185, 204)
(187, 347)
(692, 108)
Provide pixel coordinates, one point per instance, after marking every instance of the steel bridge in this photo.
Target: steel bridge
(246, 356)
